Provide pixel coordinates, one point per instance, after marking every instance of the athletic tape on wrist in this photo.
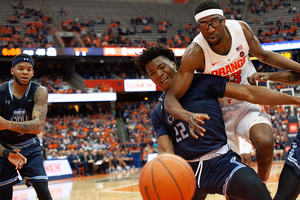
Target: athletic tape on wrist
(6, 153)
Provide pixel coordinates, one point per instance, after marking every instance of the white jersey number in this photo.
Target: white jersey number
(179, 129)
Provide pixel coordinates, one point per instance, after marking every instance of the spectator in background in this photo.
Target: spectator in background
(145, 152)
(87, 162)
(124, 155)
(74, 161)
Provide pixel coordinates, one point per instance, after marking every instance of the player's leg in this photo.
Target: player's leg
(255, 127)
(289, 184)
(42, 190)
(261, 136)
(7, 193)
(34, 172)
(8, 178)
(247, 185)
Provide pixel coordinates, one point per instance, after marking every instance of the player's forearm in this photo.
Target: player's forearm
(281, 62)
(265, 96)
(29, 127)
(173, 107)
(286, 77)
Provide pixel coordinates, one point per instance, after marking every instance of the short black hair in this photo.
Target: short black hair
(22, 55)
(207, 4)
(151, 53)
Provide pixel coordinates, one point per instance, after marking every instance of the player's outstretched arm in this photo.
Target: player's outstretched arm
(13, 156)
(192, 59)
(36, 125)
(259, 95)
(269, 57)
(285, 77)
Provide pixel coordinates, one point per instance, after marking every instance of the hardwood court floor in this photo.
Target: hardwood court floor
(113, 186)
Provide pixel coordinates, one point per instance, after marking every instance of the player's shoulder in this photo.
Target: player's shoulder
(4, 86)
(159, 107)
(246, 28)
(192, 49)
(193, 58)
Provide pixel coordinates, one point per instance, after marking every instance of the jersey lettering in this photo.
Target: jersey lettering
(170, 118)
(230, 68)
(19, 115)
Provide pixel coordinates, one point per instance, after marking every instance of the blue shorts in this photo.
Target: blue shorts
(217, 174)
(32, 171)
(293, 158)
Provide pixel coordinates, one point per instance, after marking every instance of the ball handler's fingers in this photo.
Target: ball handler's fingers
(251, 80)
(196, 128)
(202, 116)
(192, 132)
(199, 132)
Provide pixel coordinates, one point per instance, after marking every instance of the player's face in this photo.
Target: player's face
(23, 73)
(161, 71)
(212, 28)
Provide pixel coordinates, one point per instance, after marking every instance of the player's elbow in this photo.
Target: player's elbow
(266, 57)
(250, 98)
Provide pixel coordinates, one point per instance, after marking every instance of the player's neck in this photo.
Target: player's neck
(18, 89)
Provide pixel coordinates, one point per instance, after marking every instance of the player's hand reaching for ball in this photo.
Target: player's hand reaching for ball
(194, 120)
(258, 77)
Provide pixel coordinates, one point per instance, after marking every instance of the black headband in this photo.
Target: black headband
(22, 59)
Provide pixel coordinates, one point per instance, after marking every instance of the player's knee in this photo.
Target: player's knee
(265, 146)
(280, 196)
(258, 189)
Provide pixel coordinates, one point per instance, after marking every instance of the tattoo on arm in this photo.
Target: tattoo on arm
(39, 112)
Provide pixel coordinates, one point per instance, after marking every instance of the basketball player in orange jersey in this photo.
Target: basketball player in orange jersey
(222, 49)
(217, 168)
(289, 181)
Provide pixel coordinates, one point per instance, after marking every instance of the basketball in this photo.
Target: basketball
(167, 177)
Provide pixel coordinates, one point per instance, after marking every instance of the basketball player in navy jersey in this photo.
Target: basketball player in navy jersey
(289, 181)
(23, 110)
(217, 168)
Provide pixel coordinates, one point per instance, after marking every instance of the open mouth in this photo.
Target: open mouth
(212, 38)
(164, 80)
(24, 79)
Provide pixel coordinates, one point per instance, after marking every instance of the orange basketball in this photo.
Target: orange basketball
(167, 177)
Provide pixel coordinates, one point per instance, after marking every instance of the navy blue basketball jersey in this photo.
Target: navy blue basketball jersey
(201, 97)
(18, 110)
